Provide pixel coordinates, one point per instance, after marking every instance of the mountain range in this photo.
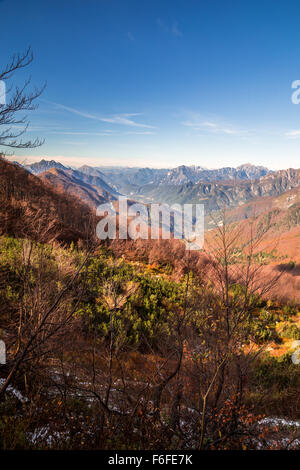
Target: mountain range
(128, 179)
(65, 198)
(245, 190)
(219, 194)
(185, 174)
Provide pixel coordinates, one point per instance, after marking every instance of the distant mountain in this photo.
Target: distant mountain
(93, 178)
(195, 174)
(216, 195)
(91, 171)
(123, 178)
(44, 165)
(127, 180)
(250, 172)
(215, 188)
(183, 174)
(71, 182)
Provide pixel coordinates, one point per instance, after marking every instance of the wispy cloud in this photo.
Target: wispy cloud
(175, 30)
(214, 127)
(125, 119)
(82, 133)
(162, 26)
(72, 142)
(122, 119)
(293, 134)
(139, 133)
(172, 28)
(104, 133)
(130, 36)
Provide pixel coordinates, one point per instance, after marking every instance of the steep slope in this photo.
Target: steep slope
(93, 178)
(29, 208)
(278, 232)
(287, 202)
(44, 165)
(69, 182)
(250, 172)
(86, 174)
(272, 225)
(91, 171)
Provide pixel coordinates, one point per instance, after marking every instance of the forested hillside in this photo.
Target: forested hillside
(30, 209)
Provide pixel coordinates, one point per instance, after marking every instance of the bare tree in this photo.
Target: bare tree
(17, 99)
(40, 322)
(237, 277)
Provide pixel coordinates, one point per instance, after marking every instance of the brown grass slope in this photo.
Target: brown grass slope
(30, 208)
(274, 223)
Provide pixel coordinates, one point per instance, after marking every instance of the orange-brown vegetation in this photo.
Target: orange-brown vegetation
(29, 208)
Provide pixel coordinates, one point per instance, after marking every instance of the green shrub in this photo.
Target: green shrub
(279, 373)
(291, 332)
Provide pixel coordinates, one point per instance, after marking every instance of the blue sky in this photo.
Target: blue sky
(160, 83)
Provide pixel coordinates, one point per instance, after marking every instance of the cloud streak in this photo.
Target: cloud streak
(104, 133)
(213, 127)
(139, 133)
(172, 29)
(124, 119)
(130, 36)
(82, 133)
(293, 134)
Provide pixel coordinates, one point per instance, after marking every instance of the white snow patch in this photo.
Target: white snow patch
(14, 391)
